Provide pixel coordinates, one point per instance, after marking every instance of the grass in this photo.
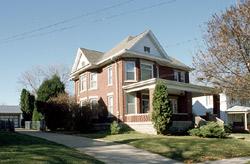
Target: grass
(247, 136)
(186, 149)
(23, 149)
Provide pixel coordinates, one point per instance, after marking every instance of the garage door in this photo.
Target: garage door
(11, 118)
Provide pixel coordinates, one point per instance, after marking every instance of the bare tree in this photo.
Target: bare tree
(32, 78)
(224, 60)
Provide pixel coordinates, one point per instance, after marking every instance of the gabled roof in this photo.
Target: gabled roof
(96, 58)
(6, 109)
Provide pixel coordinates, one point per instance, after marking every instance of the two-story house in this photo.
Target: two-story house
(121, 82)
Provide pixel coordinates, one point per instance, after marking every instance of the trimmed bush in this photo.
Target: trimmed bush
(114, 128)
(162, 113)
(211, 130)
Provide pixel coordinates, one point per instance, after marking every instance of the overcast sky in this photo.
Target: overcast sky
(50, 32)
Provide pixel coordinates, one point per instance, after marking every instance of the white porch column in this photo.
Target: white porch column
(245, 123)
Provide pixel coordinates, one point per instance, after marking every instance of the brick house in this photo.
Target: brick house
(121, 82)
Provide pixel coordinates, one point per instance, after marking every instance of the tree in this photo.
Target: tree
(162, 113)
(27, 104)
(224, 59)
(32, 78)
(48, 89)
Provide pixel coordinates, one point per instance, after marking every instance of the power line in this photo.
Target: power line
(94, 21)
(66, 21)
(183, 42)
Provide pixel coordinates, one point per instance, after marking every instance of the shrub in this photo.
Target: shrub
(227, 128)
(162, 114)
(114, 128)
(211, 130)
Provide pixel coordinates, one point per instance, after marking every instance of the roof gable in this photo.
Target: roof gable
(85, 57)
(149, 40)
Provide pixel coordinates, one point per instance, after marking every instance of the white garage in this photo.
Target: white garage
(12, 113)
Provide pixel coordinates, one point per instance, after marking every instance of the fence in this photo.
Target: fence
(7, 125)
(36, 125)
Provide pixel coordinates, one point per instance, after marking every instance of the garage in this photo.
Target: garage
(12, 113)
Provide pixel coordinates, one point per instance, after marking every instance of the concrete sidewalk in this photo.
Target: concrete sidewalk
(108, 152)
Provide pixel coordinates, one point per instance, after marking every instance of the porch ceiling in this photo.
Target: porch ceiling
(174, 87)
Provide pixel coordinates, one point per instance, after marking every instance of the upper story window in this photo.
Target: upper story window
(146, 71)
(130, 71)
(147, 49)
(110, 76)
(176, 76)
(83, 83)
(93, 81)
(182, 79)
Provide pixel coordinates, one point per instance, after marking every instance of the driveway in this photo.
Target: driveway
(108, 152)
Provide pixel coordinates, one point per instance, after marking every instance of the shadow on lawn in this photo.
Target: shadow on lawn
(27, 149)
(185, 150)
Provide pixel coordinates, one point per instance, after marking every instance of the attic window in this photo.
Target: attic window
(83, 64)
(147, 49)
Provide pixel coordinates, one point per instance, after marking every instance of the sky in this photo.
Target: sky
(94, 24)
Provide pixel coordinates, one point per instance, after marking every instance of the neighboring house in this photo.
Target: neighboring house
(12, 113)
(233, 111)
(121, 82)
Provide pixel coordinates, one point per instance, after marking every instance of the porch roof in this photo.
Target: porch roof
(238, 110)
(174, 87)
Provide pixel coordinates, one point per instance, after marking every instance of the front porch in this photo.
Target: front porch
(138, 101)
(239, 118)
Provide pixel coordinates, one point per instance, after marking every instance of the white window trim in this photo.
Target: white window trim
(81, 90)
(135, 105)
(93, 97)
(110, 83)
(152, 70)
(82, 100)
(110, 94)
(90, 87)
(112, 114)
(126, 72)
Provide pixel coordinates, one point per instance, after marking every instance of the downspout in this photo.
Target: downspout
(116, 89)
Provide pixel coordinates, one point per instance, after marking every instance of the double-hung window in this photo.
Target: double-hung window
(93, 81)
(182, 79)
(130, 71)
(130, 103)
(110, 106)
(176, 76)
(146, 71)
(83, 83)
(110, 76)
(174, 105)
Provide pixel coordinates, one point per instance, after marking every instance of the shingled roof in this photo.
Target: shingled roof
(6, 109)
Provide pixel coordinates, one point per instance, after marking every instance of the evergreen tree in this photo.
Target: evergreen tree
(27, 104)
(162, 114)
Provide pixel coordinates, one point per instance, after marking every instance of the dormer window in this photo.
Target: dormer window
(147, 49)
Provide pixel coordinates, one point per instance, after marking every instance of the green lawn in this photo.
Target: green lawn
(247, 136)
(17, 148)
(187, 149)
